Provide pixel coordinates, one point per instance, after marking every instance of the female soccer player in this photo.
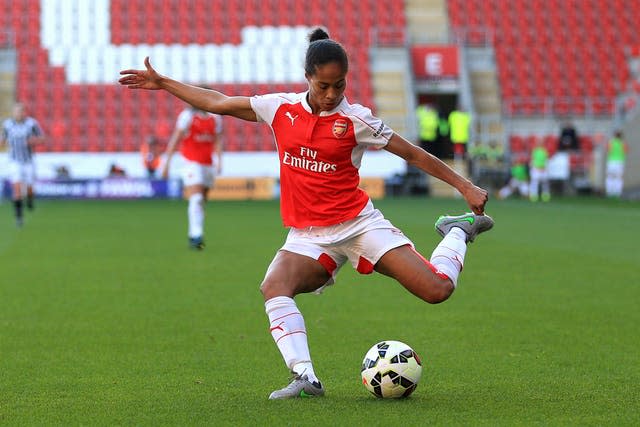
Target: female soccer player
(321, 139)
(200, 134)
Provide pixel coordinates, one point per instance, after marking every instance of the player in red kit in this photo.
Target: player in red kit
(321, 139)
(200, 136)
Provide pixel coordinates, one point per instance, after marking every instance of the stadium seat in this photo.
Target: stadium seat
(58, 144)
(517, 144)
(586, 143)
(551, 144)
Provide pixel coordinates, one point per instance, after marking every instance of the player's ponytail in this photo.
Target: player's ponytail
(318, 34)
(323, 50)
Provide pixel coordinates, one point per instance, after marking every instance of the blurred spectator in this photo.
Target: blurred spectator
(616, 155)
(539, 185)
(151, 153)
(429, 130)
(62, 173)
(459, 128)
(518, 180)
(116, 171)
(492, 152)
(21, 133)
(568, 139)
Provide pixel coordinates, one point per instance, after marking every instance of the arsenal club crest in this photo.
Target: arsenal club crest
(340, 128)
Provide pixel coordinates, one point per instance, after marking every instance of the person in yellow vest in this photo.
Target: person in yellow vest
(459, 127)
(539, 176)
(443, 136)
(616, 155)
(428, 129)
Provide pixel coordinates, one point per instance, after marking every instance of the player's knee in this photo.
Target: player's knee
(438, 291)
(265, 288)
(271, 289)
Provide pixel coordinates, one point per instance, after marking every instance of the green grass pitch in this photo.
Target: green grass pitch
(106, 318)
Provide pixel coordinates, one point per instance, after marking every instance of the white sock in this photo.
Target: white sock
(448, 256)
(196, 215)
(290, 335)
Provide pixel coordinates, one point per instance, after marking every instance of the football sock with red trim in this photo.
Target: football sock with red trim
(287, 328)
(448, 256)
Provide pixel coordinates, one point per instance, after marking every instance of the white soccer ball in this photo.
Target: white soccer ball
(391, 369)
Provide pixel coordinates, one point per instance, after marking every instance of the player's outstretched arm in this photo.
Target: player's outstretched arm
(475, 196)
(203, 99)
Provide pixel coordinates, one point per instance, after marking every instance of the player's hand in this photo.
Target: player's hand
(476, 198)
(141, 79)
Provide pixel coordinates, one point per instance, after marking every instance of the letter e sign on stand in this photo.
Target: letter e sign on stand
(435, 61)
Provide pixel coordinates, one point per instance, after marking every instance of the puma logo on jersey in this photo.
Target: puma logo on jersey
(292, 118)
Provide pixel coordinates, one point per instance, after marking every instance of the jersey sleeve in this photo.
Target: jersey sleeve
(265, 106)
(370, 131)
(184, 120)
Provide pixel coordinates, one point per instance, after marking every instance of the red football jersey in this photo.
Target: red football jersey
(319, 156)
(202, 130)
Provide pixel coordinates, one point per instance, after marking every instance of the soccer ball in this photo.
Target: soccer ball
(391, 369)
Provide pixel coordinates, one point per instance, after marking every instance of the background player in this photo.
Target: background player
(539, 185)
(518, 180)
(200, 135)
(21, 133)
(321, 139)
(616, 153)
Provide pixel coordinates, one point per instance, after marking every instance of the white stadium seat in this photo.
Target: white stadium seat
(212, 64)
(251, 35)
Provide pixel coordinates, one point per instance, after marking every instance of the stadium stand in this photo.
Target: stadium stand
(68, 62)
(555, 56)
(555, 59)
(549, 58)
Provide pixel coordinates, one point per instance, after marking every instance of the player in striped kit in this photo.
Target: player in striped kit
(200, 136)
(21, 133)
(321, 139)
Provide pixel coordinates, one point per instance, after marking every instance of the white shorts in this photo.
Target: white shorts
(194, 173)
(615, 168)
(24, 173)
(538, 174)
(362, 240)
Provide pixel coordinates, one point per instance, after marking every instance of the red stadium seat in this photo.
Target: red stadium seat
(586, 143)
(58, 129)
(590, 63)
(551, 144)
(58, 144)
(517, 144)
